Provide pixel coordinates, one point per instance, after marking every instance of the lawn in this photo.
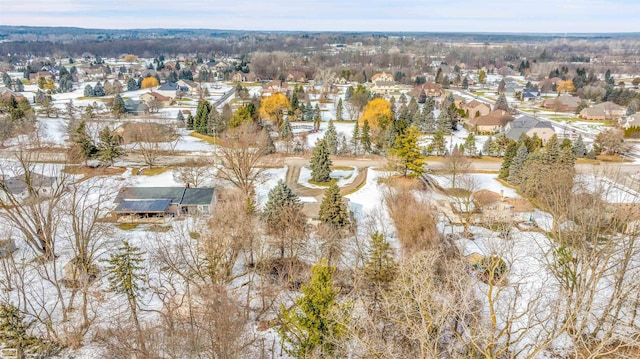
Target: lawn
(208, 139)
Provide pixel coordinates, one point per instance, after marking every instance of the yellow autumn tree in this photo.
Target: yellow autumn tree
(273, 108)
(149, 82)
(566, 86)
(378, 113)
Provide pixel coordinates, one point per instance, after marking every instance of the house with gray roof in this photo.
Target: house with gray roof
(530, 127)
(19, 188)
(156, 203)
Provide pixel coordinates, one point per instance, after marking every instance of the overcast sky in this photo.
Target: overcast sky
(557, 16)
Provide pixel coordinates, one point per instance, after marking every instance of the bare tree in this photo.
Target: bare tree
(195, 172)
(240, 155)
(31, 202)
(149, 139)
(455, 164)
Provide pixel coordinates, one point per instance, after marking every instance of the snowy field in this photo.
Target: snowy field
(344, 177)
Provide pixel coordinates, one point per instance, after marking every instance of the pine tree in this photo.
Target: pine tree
(632, 108)
(579, 148)
(281, 202)
(339, 110)
(124, 273)
(308, 111)
(487, 147)
(270, 147)
(316, 118)
(132, 85)
(320, 162)
(98, 90)
(190, 121)
(313, 324)
(14, 332)
(408, 151)
(443, 123)
(517, 164)
(118, 106)
(552, 150)
(355, 139)
(437, 144)
(390, 136)
(84, 142)
(334, 212)
(180, 117)
(285, 130)
(331, 138)
(380, 266)
(501, 103)
(109, 147)
(365, 137)
(88, 91)
(201, 121)
(470, 145)
(509, 154)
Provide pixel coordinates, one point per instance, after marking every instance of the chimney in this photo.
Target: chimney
(502, 195)
(186, 185)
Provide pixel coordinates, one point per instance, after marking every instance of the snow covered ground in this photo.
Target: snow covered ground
(344, 177)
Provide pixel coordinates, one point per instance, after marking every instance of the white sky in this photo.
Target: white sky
(347, 15)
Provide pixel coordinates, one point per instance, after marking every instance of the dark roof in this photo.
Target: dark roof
(143, 206)
(197, 196)
(523, 124)
(129, 193)
(18, 184)
(169, 86)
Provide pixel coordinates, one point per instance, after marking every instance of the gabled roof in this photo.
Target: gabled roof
(169, 86)
(18, 184)
(493, 118)
(137, 193)
(197, 196)
(143, 205)
(523, 124)
(158, 96)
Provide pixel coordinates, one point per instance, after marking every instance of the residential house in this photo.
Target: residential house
(603, 111)
(172, 90)
(382, 76)
(136, 107)
(34, 78)
(96, 72)
(530, 127)
(156, 203)
(192, 87)
(529, 94)
(476, 108)
(562, 103)
(6, 94)
(549, 85)
(149, 97)
(493, 122)
(19, 188)
(274, 87)
(432, 89)
(296, 76)
(632, 121)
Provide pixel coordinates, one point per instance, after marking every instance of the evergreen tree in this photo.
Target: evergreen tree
(633, 108)
(98, 90)
(190, 121)
(552, 150)
(339, 110)
(216, 122)
(109, 147)
(465, 83)
(443, 123)
(172, 77)
(501, 103)
(365, 137)
(270, 147)
(15, 333)
(334, 212)
(487, 147)
(88, 91)
(118, 107)
(132, 85)
(408, 151)
(308, 111)
(380, 266)
(282, 202)
(317, 118)
(390, 135)
(180, 117)
(579, 148)
(509, 154)
(201, 121)
(285, 130)
(331, 138)
(470, 145)
(355, 139)
(295, 103)
(320, 162)
(437, 144)
(314, 323)
(124, 273)
(84, 142)
(517, 164)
